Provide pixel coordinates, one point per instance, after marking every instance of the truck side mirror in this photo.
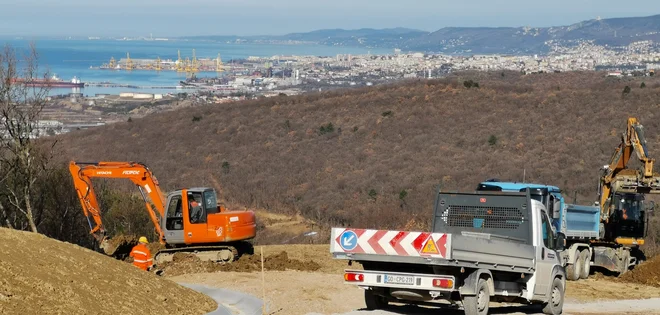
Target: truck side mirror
(560, 241)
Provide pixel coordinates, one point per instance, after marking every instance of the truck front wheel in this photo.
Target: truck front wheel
(373, 301)
(574, 270)
(555, 302)
(478, 304)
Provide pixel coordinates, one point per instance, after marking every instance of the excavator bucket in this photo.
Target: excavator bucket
(119, 246)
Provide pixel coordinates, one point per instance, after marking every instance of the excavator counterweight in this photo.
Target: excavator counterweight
(186, 220)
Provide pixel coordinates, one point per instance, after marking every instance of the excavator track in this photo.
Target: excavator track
(215, 253)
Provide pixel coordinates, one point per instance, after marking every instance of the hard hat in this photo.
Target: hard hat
(143, 240)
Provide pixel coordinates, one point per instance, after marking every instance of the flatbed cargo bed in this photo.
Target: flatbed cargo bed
(472, 250)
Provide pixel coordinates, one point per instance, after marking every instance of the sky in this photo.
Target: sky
(164, 18)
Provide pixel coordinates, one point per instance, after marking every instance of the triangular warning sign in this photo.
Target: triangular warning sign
(429, 247)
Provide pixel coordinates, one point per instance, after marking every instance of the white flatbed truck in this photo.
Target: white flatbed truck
(484, 247)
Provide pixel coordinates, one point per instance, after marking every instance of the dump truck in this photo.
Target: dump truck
(483, 247)
(587, 245)
(187, 220)
(607, 234)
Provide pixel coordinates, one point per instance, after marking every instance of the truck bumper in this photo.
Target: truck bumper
(421, 286)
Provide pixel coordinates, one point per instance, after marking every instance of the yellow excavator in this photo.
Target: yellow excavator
(622, 190)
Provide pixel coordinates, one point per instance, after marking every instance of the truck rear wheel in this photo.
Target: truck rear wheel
(555, 302)
(373, 301)
(478, 304)
(585, 255)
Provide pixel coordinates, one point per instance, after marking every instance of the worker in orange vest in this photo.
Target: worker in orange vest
(141, 255)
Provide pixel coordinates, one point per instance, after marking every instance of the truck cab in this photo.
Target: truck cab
(549, 196)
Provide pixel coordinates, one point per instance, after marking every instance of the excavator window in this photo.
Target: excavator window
(174, 214)
(210, 202)
(196, 208)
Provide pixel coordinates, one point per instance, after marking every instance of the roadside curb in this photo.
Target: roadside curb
(229, 301)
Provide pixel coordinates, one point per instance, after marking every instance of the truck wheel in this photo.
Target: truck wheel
(478, 304)
(555, 302)
(373, 301)
(585, 255)
(573, 270)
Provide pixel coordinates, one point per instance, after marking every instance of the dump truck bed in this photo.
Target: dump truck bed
(582, 222)
(477, 230)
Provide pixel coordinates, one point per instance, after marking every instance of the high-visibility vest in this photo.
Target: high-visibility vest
(141, 257)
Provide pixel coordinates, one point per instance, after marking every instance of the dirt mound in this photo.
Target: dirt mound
(39, 275)
(647, 273)
(188, 263)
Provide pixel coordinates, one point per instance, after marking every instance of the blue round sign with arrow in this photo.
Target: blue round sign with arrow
(348, 240)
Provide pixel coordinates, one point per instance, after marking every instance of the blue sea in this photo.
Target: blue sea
(69, 58)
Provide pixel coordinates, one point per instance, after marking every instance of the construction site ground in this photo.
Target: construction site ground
(39, 275)
(322, 291)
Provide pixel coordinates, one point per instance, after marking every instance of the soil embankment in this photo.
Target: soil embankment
(39, 275)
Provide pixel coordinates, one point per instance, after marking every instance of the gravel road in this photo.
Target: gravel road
(646, 307)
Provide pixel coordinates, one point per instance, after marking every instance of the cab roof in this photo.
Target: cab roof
(515, 186)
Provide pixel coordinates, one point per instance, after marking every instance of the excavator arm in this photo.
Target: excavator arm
(138, 173)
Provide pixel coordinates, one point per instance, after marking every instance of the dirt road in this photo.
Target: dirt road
(629, 307)
(323, 291)
(301, 293)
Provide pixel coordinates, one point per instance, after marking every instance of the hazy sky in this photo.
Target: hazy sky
(250, 17)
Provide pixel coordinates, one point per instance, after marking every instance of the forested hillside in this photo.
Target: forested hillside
(372, 157)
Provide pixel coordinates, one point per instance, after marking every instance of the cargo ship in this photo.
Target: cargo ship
(53, 82)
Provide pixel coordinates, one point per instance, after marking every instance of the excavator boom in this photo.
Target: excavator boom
(138, 173)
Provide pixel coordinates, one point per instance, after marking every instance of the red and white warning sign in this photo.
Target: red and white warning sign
(382, 242)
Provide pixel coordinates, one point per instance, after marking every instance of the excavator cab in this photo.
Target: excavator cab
(627, 216)
(193, 216)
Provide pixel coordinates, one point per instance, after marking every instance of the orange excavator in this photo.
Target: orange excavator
(186, 220)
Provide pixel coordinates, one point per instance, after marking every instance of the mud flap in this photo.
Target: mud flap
(469, 286)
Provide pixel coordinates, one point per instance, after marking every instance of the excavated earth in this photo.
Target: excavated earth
(647, 273)
(39, 275)
(183, 263)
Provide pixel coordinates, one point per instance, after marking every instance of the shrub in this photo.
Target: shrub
(329, 128)
(387, 113)
(197, 118)
(492, 140)
(626, 90)
(225, 167)
(373, 194)
(643, 85)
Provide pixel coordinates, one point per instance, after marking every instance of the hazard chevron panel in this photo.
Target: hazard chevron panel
(398, 243)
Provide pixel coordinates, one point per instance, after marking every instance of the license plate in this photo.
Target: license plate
(407, 280)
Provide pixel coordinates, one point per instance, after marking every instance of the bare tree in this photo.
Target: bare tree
(22, 157)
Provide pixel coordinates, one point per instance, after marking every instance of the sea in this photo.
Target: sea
(81, 58)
